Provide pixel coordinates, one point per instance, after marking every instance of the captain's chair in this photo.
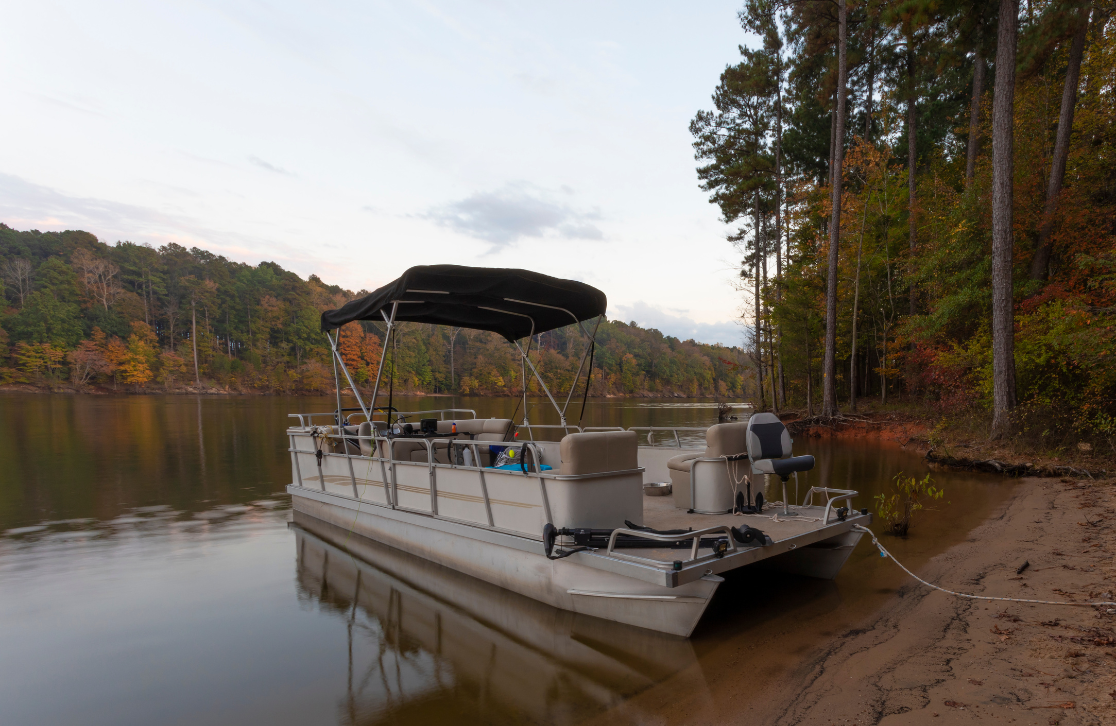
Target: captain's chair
(769, 448)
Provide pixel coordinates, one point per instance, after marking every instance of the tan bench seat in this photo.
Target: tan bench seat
(489, 430)
(603, 501)
(728, 439)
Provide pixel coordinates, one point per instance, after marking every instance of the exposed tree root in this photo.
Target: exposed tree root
(800, 425)
(1000, 467)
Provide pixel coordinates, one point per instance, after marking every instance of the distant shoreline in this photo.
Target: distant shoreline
(215, 391)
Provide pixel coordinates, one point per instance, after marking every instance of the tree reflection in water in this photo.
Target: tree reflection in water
(426, 643)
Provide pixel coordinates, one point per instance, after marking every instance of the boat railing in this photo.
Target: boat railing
(839, 495)
(389, 462)
(306, 420)
(402, 416)
(669, 436)
(564, 429)
(673, 433)
(666, 539)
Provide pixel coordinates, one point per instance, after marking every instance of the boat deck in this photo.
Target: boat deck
(673, 566)
(660, 513)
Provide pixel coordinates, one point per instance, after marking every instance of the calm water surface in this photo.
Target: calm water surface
(150, 572)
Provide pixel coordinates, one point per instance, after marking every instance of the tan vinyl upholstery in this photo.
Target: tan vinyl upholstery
(720, 440)
(480, 429)
(345, 445)
(598, 452)
(408, 450)
(726, 439)
(365, 429)
(682, 462)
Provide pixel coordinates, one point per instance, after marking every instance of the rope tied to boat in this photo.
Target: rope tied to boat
(735, 482)
(885, 553)
(320, 436)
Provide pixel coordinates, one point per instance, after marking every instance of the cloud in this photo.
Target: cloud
(27, 205)
(510, 214)
(729, 332)
(270, 167)
(78, 106)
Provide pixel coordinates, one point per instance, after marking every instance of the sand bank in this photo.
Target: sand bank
(926, 657)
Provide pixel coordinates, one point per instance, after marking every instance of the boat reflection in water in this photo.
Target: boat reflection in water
(428, 644)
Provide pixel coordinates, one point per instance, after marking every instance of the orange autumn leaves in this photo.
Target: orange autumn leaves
(361, 352)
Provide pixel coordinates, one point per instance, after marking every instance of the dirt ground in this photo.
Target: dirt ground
(929, 658)
(962, 443)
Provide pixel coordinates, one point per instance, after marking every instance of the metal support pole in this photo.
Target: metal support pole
(338, 359)
(383, 356)
(336, 382)
(591, 338)
(561, 413)
(294, 455)
(786, 509)
(523, 375)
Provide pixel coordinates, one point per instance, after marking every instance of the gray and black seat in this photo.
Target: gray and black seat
(769, 448)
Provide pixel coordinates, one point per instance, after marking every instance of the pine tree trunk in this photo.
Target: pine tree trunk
(786, 211)
(757, 327)
(809, 373)
(781, 397)
(832, 135)
(829, 365)
(770, 359)
(979, 70)
(1041, 262)
(883, 373)
(194, 340)
(871, 85)
(912, 164)
(856, 306)
(1003, 323)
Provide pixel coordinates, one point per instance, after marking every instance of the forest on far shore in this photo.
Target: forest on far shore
(129, 317)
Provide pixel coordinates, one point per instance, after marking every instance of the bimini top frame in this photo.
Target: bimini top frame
(514, 303)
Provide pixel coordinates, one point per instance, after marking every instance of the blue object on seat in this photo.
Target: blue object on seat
(516, 467)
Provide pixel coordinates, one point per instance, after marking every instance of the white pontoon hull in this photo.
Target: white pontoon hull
(489, 524)
(563, 584)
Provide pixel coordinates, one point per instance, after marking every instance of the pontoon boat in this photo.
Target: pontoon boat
(572, 522)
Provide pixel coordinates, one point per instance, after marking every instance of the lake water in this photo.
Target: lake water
(150, 572)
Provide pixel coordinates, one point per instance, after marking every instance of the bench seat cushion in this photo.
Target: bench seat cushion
(598, 452)
(682, 462)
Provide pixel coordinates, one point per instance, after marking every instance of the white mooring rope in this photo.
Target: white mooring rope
(885, 553)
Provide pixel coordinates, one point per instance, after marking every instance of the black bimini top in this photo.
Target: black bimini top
(513, 303)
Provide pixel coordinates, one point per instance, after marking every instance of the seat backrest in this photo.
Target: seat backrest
(495, 429)
(365, 444)
(482, 429)
(768, 438)
(598, 452)
(726, 439)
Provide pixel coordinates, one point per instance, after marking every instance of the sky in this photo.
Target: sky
(355, 140)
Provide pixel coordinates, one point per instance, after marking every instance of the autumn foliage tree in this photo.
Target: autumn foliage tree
(256, 327)
(970, 265)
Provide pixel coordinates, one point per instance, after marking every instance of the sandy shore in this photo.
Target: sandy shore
(927, 657)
